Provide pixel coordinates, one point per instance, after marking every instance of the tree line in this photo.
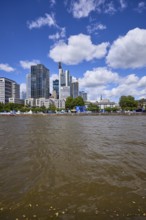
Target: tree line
(125, 103)
(25, 108)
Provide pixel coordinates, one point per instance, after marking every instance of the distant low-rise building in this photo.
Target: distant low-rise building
(15, 100)
(30, 102)
(45, 102)
(104, 103)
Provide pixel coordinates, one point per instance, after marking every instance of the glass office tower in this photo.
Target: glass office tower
(56, 87)
(40, 81)
(74, 89)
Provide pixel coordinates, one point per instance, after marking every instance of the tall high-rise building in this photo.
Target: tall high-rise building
(9, 89)
(64, 82)
(83, 95)
(28, 86)
(61, 81)
(23, 95)
(40, 81)
(56, 87)
(65, 92)
(67, 78)
(74, 90)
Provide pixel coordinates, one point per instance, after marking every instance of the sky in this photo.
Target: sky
(101, 42)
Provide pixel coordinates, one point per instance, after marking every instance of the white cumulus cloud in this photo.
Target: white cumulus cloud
(131, 79)
(123, 4)
(98, 77)
(82, 8)
(142, 82)
(103, 81)
(6, 67)
(48, 20)
(109, 8)
(96, 81)
(92, 28)
(25, 64)
(58, 35)
(141, 7)
(128, 51)
(79, 48)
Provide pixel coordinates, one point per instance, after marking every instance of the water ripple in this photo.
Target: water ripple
(72, 167)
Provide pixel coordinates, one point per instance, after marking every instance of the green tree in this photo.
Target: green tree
(43, 109)
(35, 109)
(108, 109)
(115, 109)
(93, 107)
(69, 103)
(72, 102)
(1, 107)
(78, 101)
(128, 103)
(52, 108)
(24, 109)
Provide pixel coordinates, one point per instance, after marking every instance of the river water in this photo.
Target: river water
(72, 167)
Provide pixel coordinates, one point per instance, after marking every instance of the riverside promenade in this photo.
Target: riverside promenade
(77, 114)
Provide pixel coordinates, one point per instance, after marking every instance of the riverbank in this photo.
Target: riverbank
(76, 114)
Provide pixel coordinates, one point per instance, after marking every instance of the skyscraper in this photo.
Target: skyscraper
(64, 82)
(83, 95)
(9, 89)
(56, 87)
(74, 89)
(61, 76)
(28, 86)
(40, 81)
(67, 78)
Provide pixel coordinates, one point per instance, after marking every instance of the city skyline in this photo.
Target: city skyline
(101, 43)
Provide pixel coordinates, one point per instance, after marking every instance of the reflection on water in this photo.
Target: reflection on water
(73, 167)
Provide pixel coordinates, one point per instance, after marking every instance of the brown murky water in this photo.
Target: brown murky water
(84, 168)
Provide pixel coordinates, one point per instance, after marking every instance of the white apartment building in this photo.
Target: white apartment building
(104, 103)
(45, 102)
(9, 89)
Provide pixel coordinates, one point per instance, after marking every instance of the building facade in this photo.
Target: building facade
(83, 95)
(40, 81)
(28, 86)
(9, 89)
(64, 82)
(104, 103)
(64, 92)
(74, 89)
(45, 102)
(56, 88)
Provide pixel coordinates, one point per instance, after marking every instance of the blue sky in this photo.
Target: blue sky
(101, 42)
